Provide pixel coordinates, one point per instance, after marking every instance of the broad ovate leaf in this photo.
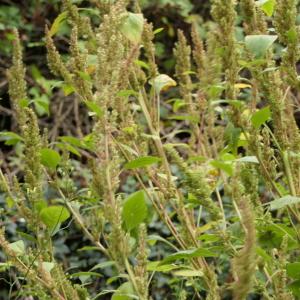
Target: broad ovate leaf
(267, 6)
(53, 216)
(50, 158)
(163, 82)
(135, 210)
(260, 117)
(132, 26)
(258, 45)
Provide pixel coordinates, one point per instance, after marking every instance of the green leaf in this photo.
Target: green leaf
(260, 117)
(134, 210)
(57, 23)
(267, 6)
(68, 147)
(248, 159)
(84, 76)
(127, 93)
(48, 266)
(50, 158)
(103, 265)
(124, 292)
(92, 106)
(88, 274)
(294, 287)
(68, 89)
(293, 270)
(188, 254)
(232, 136)
(10, 138)
(193, 119)
(53, 216)
(142, 162)
(224, 166)
(27, 236)
(18, 247)
(284, 201)
(188, 273)
(162, 83)
(132, 27)
(158, 267)
(258, 45)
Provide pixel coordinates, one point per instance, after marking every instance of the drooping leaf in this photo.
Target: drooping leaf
(54, 215)
(258, 45)
(50, 158)
(132, 26)
(162, 83)
(134, 210)
(284, 201)
(142, 162)
(260, 117)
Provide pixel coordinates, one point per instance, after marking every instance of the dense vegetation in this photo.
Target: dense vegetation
(156, 156)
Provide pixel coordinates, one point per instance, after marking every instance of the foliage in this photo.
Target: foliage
(184, 185)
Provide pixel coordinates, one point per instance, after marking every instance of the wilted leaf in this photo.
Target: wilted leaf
(242, 86)
(162, 83)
